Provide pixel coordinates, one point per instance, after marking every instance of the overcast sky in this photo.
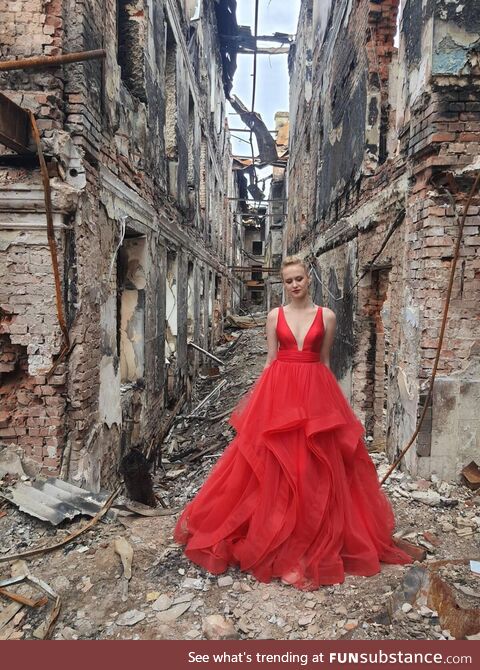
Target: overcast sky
(272, 71)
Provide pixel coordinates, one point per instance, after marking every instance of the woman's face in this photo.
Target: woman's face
(295, 281)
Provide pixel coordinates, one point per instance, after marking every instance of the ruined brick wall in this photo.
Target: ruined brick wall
(34, 28)
(122, 202)
(390, 130)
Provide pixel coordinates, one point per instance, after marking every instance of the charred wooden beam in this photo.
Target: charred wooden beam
(14, 126)
(267, 147)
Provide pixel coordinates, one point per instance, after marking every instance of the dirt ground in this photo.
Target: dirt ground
(170, 598)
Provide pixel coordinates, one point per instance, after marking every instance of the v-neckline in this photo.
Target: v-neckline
(306, 334)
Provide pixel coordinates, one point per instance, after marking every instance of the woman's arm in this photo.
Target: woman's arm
(330, 322)
(272, 342)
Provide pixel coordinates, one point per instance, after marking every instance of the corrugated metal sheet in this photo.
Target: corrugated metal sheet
(54, 500)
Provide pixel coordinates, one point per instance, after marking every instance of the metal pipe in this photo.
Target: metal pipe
(51, 61)
(208, 398)
(207, 353)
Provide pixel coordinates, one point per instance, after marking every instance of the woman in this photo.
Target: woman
(295, 495)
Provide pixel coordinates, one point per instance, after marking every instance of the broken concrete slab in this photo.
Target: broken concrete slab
(10, 464)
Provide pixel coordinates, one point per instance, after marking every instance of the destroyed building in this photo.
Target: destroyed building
(384, 146)
(276, 216)
(139, 165)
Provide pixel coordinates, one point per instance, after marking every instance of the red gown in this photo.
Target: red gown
(295, 495)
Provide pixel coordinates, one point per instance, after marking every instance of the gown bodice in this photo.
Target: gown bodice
(312, 343)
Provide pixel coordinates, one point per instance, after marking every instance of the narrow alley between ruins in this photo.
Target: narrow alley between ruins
(159, 160)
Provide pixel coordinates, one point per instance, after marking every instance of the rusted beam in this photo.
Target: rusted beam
(51, 61)
(14, 126)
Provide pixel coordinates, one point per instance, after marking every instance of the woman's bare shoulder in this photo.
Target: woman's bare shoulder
(273, 315)
(328, 315)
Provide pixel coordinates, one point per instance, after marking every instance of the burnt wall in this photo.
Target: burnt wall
(127, 192)
(377, 212)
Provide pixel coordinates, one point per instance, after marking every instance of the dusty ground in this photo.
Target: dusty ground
(169, 598)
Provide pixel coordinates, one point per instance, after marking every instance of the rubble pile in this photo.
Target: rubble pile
(125, 578)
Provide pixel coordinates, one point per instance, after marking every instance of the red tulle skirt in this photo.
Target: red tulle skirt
(295, 494)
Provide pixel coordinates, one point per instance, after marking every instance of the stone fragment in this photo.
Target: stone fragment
(351, 624)
(60, 583)
(191, 583)
(184, 598)
(152, 596)
(216, 627)
(67, 633)
(429, 497)
(406, 607)
(306, 619)
(162, 603)
(130, 618)
(225, 581)
(175, 612)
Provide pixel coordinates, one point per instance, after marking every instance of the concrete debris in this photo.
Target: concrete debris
(125, 551)
(190, 583)
(427, 497)
(173, 613)
(172, 598)
(216, 627)
(162, 603)
(225, 581)
(10, 464)
(130, 618)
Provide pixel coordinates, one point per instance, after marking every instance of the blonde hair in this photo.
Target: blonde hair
(295, 260)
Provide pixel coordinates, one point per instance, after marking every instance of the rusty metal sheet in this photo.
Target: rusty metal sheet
(54, 500)
(471, 475)
(14, 126)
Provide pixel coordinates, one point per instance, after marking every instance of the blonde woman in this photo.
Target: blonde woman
(295, 495)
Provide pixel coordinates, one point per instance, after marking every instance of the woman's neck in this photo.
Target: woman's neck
(301, 303)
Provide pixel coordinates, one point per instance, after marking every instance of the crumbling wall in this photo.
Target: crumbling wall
(117, 135)
(394, 147)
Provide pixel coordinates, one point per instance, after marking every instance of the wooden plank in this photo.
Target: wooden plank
(8, 613)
